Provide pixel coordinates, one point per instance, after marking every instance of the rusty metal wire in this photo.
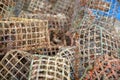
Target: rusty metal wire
(105, 67)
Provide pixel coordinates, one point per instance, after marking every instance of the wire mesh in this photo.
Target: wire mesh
(6, 8)
(19, 6)
(48, 51)
(15, 65)
(95, 41)
(67, 52)
(65, 7)
(23, 34)
(103, 11)
(71, 54)
(53, 7)
(49, 68)
(58, 25)
(105, 68)
(41, 6)
(117, 23)
(94, 20)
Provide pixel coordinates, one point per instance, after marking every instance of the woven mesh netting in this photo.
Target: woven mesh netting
(49, 68)
(105, 68)
(23, 34)
(57, 24)
(15, 65)
(51, 29)
(6, 8)
(67, 52)
(48, 51)
(95, 41)
(72, 55)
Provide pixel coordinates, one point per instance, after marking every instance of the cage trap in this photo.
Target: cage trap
(23, 34)
(15, 65)
(49, 68)
(105, 67)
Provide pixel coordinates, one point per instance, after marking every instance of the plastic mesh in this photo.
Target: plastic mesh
(67, 52)
(42, 6)
(72, 56)
(6, 8)
(15, 65)
(48, 51)
(23, 34)
(58, 26)
(49, 68)
(95, 41)
(106, 68)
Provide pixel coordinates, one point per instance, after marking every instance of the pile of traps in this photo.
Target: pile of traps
(59, 40)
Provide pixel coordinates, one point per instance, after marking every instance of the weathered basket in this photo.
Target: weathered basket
(15, 65)
(49, 68)
(23, 34)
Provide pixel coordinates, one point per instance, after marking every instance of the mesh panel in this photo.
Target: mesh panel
(6, 7)
(58, 26)
(24, 35)
(15, 66)
(94, 41)
(87, 24)
(49, 68)
(105, 68)
(42, 6)
(49, 51)
(70, 54)
(67, 52)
